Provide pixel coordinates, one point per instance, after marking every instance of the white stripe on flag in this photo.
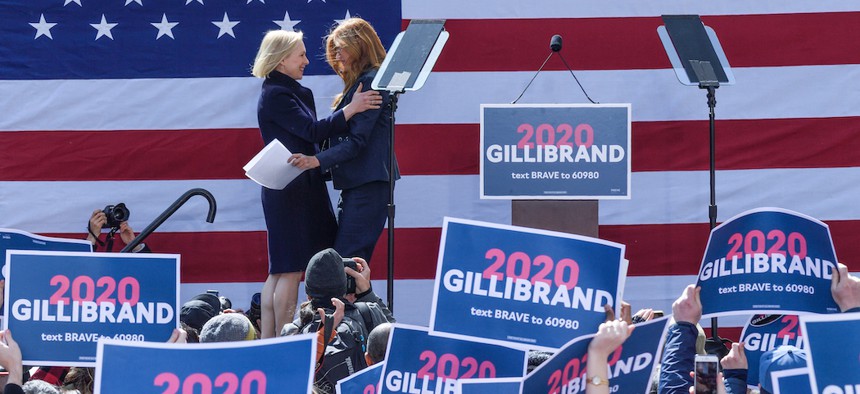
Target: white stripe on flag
(448, 97)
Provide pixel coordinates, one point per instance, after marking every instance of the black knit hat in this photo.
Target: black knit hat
(324, 277)
(199, 310)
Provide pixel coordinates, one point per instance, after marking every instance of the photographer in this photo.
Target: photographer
(330, 276)
(254, 312)
(342, 310)
(114, 218)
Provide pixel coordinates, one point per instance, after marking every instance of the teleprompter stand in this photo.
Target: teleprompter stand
(699, 60)
(406, 68)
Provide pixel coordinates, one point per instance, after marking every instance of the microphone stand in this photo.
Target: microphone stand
(555, 47)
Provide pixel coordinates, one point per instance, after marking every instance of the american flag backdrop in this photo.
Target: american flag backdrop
(137, 101)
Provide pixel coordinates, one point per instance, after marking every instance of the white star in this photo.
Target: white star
(313, 0)
(127, 2)
(43, 28)
(189, 1)
(340, 21)
(164, 27)
(72, 1)
(262, 1)
(225, 26)
(103, 28)
(287, 24)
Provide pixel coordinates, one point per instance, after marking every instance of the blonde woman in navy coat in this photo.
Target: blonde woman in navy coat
(357, 159)
(299, 218)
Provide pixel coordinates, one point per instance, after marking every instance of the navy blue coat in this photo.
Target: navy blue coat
(299, 219)
(359, 155)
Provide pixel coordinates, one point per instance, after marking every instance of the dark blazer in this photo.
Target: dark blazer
(360, 155)
(286, 112)
(299, 219)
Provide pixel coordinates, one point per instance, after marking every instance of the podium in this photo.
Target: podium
(574, 217)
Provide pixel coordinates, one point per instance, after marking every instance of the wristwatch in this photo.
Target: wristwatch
(597, 381)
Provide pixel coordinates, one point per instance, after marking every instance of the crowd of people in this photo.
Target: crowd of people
(680, 348)
(207, 318)
(339, 290)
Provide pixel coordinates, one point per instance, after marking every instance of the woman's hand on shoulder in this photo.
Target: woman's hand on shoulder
(362, 101)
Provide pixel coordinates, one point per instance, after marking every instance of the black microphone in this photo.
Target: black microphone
(555, 43)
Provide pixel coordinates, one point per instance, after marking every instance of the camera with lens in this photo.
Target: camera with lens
(115, 214)
(225, 302)
(254, 311)
(350, 281)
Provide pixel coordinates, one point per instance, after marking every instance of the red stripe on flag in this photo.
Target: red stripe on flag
(127, 154)
(632, 42)
(663, 146)
(746, 144)
(678, 249)
(653, 249)
(438, 149)
(422, 149)
(660, 249)
(209, 257)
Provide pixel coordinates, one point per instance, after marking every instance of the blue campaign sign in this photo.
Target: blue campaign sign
(419, 362)
(59, 304)
(833, 348)
(531, 288)
(768, 260)
(791, 381)
(11, 239)
(555, 151)
(276, 365)
(767, 332)
(365, 381)
(630, 366)
(491, 386)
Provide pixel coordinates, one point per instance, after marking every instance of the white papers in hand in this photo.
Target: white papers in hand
(270, 169)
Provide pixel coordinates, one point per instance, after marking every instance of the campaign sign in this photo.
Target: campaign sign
(417, 362)
(11, 239)
(555, 151)
(833, 352)
(518, 286)
(768, 260)
(767, 332)
(275, 365)
(60, 303)
(790, 381)
(630, 366)
(491, 386)
(365, 381)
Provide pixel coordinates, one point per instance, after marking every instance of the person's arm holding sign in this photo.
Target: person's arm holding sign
(845, 289)
(10, 359)
(679, 352)
(735, 370)
(178, 336)
(610, 335)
